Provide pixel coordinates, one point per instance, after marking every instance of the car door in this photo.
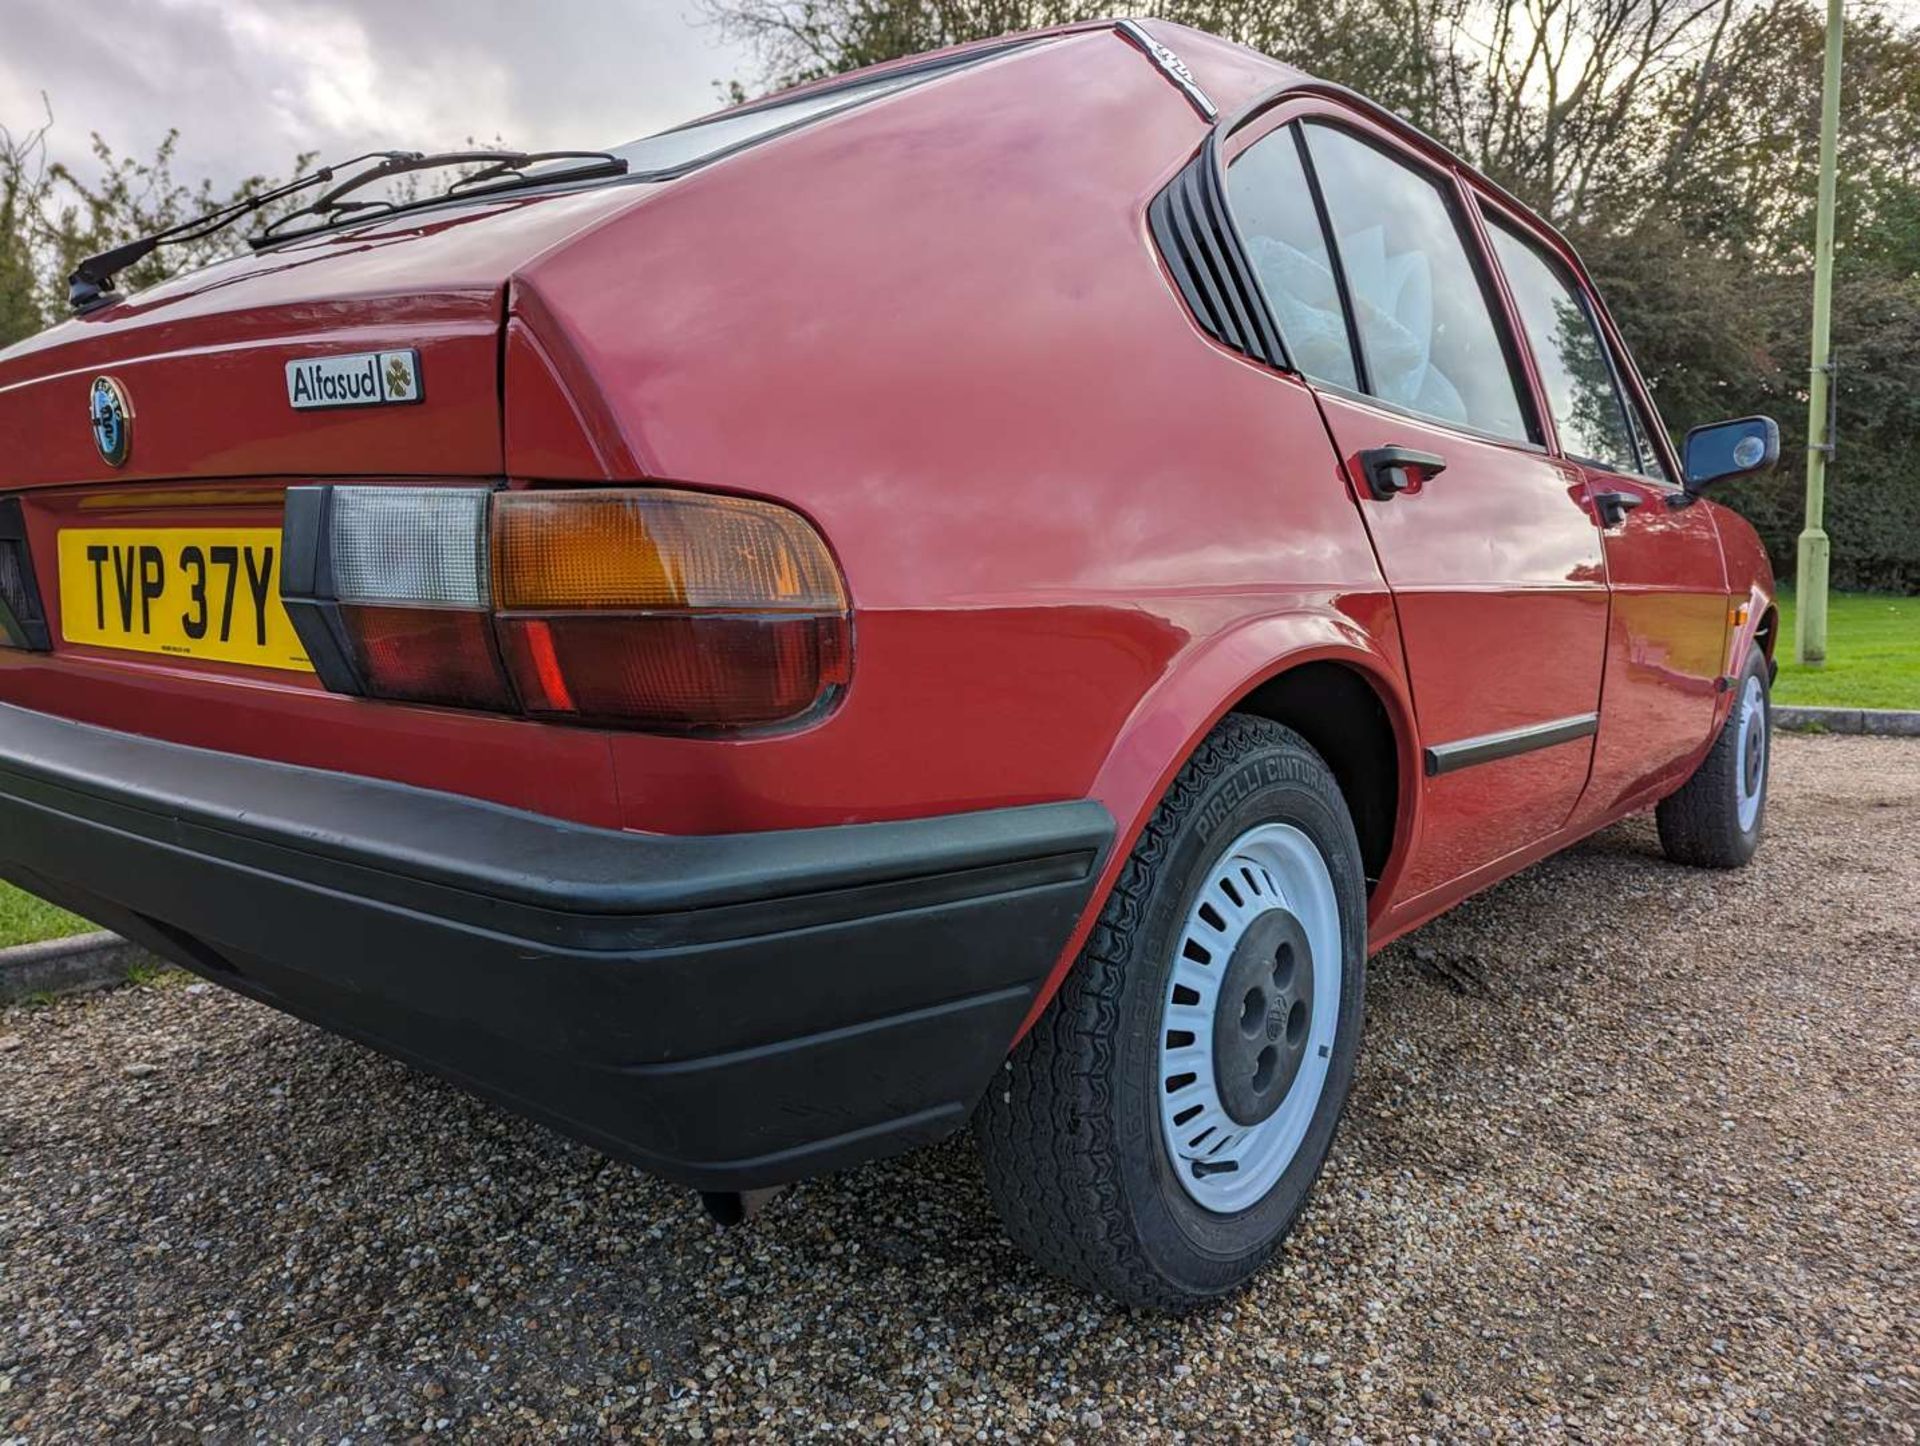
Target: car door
(1667, 633)
(1373, 267)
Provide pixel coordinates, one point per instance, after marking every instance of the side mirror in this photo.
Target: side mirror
(1721, 450)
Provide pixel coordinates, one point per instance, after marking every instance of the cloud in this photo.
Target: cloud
(250, 84)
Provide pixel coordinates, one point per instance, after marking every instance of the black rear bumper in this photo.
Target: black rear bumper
(728, 1012)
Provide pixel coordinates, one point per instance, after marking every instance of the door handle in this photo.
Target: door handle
(1613, 507)
(1389, 470)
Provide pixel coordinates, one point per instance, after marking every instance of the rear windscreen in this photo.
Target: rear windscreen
(679, 150)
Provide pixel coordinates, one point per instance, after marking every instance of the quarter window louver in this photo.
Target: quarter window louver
(1191, 227)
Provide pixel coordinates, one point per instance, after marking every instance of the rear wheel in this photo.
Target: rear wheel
(1716, 819)
(1157, 1133)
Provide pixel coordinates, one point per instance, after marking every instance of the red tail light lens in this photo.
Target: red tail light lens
(427, 655)
(653, 607)
(688, 671)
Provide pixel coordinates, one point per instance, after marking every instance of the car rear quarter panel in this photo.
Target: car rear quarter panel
(1073, 528)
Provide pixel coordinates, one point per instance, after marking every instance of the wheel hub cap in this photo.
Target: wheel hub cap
(1260, 1022)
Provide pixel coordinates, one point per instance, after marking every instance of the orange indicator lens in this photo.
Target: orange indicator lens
(657, 550)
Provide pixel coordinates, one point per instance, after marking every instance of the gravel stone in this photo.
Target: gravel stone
(1634, 1153)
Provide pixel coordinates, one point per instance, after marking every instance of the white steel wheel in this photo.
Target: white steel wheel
(1249, 1018)
(1750, 752)
(1234, 973)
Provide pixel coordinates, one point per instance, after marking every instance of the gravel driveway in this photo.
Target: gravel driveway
(1634, 1151)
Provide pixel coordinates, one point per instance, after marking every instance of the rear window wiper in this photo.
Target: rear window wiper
(91, 283)
(498, 171)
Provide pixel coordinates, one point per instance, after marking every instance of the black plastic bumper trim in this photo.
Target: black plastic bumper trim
(306, 588)
(730, 1011)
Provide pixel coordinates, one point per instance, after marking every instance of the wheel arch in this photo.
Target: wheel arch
(1339, 710)
(1319, 672)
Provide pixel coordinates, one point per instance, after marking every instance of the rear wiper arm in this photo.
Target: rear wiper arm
(91, 283)
(499, 170)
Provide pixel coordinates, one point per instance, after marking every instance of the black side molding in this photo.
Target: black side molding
(1451, 757)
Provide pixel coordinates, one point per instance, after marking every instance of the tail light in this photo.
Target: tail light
(23, 623)
(665, 607)
(651, 607)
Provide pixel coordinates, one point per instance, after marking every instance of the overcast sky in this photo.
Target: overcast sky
(252, 83)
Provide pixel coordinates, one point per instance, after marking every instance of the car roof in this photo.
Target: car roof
(1229, 71)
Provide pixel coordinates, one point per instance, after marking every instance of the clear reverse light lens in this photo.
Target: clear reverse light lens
(421, 546)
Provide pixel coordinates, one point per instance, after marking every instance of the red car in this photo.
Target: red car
(979, 589)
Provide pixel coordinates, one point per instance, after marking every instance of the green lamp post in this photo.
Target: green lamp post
(1810, 618)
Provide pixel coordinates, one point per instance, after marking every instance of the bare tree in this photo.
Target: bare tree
(1543, 94)
(23, 190)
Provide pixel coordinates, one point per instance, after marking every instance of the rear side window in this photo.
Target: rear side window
(1581, 394)
(1428, 340)
(1267, 185)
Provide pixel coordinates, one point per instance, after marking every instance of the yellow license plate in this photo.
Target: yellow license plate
(188, 592)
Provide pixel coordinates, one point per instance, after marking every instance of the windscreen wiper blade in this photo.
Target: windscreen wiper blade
(499, 170)
(91, 283)
(511, 170)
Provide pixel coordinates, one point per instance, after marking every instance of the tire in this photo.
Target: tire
(1717, 818)
(1086, 1151)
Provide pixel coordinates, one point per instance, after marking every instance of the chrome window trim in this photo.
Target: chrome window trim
(1171, 65)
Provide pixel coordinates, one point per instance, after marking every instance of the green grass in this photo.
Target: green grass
(26, 920)
(1873, 654)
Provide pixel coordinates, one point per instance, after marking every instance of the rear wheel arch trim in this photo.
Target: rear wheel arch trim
(1192, 699)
